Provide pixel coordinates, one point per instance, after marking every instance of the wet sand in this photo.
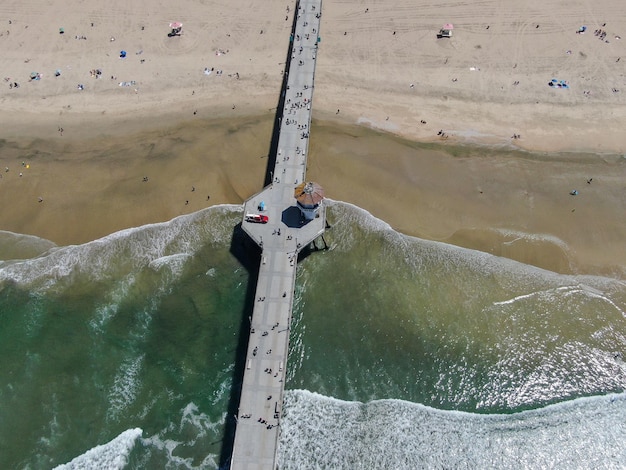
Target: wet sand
(93, 187)
(509, 203)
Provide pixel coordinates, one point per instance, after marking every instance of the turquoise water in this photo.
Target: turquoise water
(406, 353)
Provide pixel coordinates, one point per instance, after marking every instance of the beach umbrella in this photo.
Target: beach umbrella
(448, 26)
(122, 54)
(176, 25)
(33, 75)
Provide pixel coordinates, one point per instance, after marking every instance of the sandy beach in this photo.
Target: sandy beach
(193, 114)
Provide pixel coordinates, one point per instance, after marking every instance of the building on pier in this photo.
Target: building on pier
(309, 197)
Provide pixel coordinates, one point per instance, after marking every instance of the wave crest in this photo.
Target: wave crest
(110, 456)
(322, 432)
(122, 252)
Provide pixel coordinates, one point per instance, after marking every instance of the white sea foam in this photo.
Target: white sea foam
(220, 393)
(419, 253)
(560, 292)
(173, 263)
(515, 299)
(110, 456)
(595, 293)
(357, 214)
(134, 247)
(199, 422)
(318, 432)
(192, 431)
(541, 237)
(125, 387)
(109, 308)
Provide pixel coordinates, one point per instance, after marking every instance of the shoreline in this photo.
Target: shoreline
(514, 204)
(510, 203)
(417, 130)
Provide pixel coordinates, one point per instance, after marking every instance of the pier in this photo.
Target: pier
(291, 225)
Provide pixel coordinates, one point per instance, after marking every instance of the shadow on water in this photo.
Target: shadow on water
(249, 255)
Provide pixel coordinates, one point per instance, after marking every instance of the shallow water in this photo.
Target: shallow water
(432, 354)
(501, 201)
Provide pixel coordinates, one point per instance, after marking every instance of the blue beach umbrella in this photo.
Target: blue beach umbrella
(122, 54)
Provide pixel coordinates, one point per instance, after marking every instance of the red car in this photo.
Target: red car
(257, 218)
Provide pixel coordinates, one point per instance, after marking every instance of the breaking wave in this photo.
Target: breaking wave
(319, 432)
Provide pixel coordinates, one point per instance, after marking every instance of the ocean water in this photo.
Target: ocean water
(406, 353)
